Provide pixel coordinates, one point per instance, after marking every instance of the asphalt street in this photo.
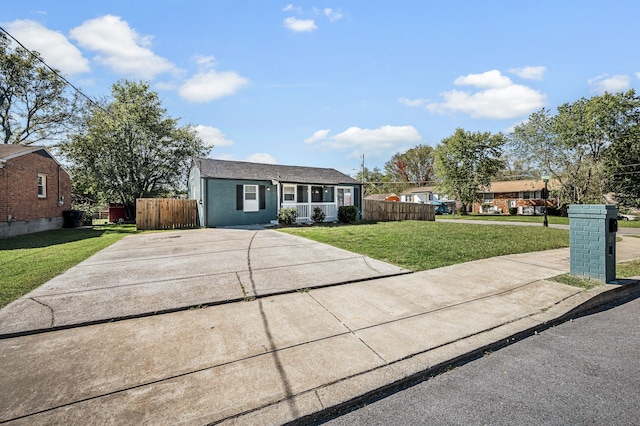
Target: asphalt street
(581, 372)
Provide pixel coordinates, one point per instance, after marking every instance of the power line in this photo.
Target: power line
(54, 71)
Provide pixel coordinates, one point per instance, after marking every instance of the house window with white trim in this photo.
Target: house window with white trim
(251, 203)
(289, 193)
(487, 197)
(42, 186)
(345, 196)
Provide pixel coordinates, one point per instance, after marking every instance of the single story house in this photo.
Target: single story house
(526, 196)
(233, 193)
(383, 197)
(34, 190)
(418, 194)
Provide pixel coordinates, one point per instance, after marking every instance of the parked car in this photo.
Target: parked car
(443, 209)
(623, 216)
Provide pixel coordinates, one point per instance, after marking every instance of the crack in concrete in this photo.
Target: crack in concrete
(53, 317)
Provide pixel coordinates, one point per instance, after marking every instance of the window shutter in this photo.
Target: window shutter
(262, 193)
(239, 197)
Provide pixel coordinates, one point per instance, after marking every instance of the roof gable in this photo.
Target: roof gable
(419, 190)
(9, 151)
(224, 169)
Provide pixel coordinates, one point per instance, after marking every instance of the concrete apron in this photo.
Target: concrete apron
(169, 271)
(209, 364)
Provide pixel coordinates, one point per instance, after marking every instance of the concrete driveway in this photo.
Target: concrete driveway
(170, 271)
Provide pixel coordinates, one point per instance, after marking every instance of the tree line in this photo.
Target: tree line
(591, 147)
(126, 146)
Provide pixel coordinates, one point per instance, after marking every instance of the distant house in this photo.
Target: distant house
(383, 197)
(233, 193)
(34, 190)
(418, 194)
(526, 196)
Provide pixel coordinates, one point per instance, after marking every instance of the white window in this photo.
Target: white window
(289, 193)
(42, 186)
(251, 202)
(487, 196)
(345, 197)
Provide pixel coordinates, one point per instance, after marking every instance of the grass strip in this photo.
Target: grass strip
(28, 261)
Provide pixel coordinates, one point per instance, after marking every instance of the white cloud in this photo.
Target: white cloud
(213, 137)
(120, 47)
(529, 73)
(54, 47)
(413, 102)
(261, 157)
(292, 8)
(209, 84)
(379, 142)
(300, 25)
(317, 136)
(638, 75)
(489, 79)
(612, 84)
(498, 97)
(333, 15)
(258, 157)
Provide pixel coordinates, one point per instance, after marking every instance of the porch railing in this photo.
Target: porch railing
(305, 211)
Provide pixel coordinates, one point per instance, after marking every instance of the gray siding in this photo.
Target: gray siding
(221, 203)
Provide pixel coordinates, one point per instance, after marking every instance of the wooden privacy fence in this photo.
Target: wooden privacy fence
(390, 211)
(165, 213)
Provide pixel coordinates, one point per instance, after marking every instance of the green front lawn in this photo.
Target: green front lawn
(28, 261)
(419, 245)
(553, 220)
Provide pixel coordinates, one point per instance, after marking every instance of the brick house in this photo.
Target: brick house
(34, 190)
(524, 195)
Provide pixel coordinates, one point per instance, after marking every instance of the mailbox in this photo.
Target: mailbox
(592, 242)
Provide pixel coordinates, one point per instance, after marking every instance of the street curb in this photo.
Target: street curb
(373, 385)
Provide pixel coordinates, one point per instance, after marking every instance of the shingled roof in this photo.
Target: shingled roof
(224, 169)
(10, 151)
(520, 185)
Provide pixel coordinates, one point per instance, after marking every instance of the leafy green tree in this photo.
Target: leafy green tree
(622, 161)
(466, 162)
(375, 181)
(131, 149)
(570, 144)
(34, 107)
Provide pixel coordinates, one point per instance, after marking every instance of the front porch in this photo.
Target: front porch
(305, 211)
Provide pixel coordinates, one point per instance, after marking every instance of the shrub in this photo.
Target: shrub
(513, 210)
(347, 214)
(287, 215)
(318, 215)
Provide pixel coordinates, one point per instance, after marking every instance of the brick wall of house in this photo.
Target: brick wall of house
(501, 201)
(19, 189)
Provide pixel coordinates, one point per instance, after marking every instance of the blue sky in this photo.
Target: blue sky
(318, 83)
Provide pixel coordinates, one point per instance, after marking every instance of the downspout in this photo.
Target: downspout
(60, 200)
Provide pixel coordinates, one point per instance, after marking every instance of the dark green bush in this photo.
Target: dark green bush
(318, 215)
(347, 214)
(513, 210)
